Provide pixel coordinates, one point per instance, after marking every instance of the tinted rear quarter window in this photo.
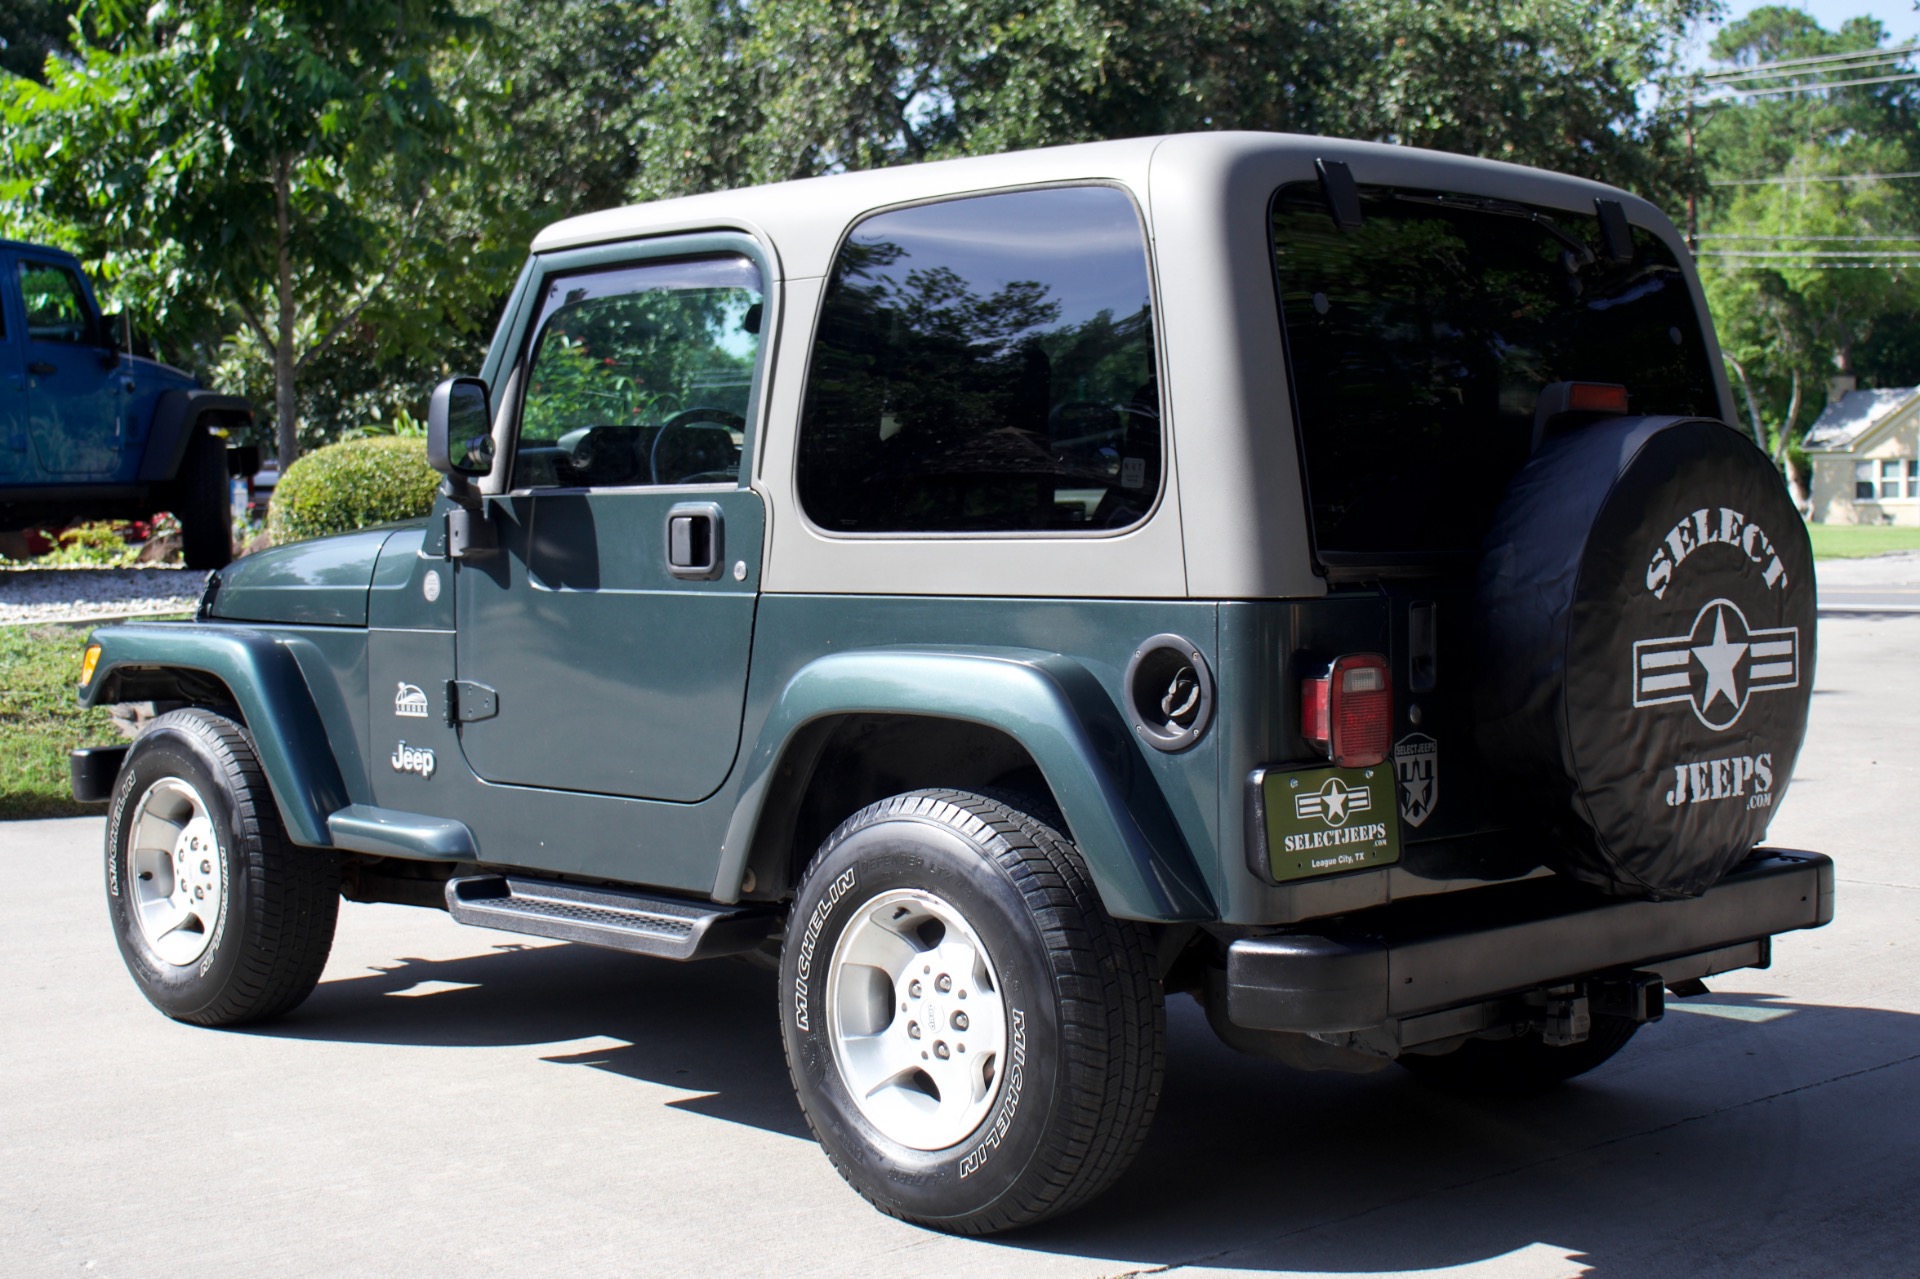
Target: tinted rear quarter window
(985, 365)
(1418, 345)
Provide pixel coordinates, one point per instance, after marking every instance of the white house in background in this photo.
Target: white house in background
(1865, 453)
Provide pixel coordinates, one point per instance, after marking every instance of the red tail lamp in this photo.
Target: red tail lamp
(1347, 712)
(1596, 397)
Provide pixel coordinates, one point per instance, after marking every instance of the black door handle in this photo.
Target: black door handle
(40, 368)
(695, 541)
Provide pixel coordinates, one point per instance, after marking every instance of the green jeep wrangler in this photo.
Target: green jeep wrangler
(1311, 576)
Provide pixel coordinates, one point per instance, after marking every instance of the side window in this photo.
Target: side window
(985, 365)
(641, 375)
(56, 304)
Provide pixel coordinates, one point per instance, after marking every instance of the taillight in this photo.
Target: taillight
(1596, 397)
(1348, 711)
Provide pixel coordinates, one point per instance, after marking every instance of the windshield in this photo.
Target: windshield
(1419, 342)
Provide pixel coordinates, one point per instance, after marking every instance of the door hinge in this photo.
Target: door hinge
(468, 701)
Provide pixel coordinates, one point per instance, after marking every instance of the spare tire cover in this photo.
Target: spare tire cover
(1646, 644)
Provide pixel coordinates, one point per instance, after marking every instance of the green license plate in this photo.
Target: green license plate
(1326, 821)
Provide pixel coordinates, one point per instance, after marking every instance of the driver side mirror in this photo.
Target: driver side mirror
(460, 428)
(118, 334)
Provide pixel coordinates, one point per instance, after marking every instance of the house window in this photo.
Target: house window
(1913, 477)
(1889, 478)
(1863, 481)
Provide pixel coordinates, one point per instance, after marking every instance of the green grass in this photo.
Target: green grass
(40, 720)
(1855, 541)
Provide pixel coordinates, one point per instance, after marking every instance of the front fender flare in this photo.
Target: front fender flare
(1131, 842)
(176, 416)
(265, 680)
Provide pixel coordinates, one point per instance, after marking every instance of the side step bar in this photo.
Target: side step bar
(660, 926)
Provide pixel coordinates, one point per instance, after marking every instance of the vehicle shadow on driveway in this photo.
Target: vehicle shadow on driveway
(1687, 1154)
(709, 1028)
(1709, 1146)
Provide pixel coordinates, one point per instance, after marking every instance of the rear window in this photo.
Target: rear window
(1419, 342)
(985, 365)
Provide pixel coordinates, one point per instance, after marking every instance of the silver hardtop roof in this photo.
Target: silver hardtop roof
(804, 219)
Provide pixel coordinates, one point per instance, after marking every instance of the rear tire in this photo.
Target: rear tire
(202, 502)
(220, 918)
(1521, 1066)
(975, 1042)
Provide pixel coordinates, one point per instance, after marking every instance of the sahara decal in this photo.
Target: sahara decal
(1704, 528)
(1709, 780)
(1717, 666)
(412, 759)
(410, 702)
(1416, 767)
(804, 968)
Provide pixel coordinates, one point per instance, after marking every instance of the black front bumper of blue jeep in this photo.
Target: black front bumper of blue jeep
(1434, 968)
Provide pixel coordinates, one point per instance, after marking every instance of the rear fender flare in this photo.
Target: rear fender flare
(288, 733)
(1049, 705)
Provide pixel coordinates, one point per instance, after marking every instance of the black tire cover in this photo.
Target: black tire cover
(1646, 645)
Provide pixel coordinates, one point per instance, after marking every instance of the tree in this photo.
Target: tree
(1800, 261)
(577, 85)
(280, 161)
(760, 92)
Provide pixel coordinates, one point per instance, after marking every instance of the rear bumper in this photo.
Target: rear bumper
(1430, 968)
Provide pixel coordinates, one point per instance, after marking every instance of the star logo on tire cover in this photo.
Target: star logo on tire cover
(1717, 666)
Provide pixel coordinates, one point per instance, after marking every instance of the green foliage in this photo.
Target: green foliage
(1797, 293)
(754, 93)
(401, 424)
(352, 485)
(41, 720)
(101, 544)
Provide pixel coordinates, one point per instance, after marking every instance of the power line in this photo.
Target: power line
(1819, 61)
(1818, 86)
(1814, 177)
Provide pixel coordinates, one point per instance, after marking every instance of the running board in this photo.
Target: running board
(660, 926)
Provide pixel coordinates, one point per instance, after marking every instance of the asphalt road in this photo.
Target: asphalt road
(456, 1102)
(1875, 584)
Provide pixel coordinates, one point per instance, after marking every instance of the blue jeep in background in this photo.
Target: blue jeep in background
(89, 430)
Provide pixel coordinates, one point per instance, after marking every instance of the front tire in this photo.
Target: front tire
(220, 918)
(975, 1042)
(202, 502)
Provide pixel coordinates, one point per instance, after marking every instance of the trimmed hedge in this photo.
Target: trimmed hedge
(351, 485)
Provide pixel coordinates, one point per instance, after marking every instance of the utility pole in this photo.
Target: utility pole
(1693, 190)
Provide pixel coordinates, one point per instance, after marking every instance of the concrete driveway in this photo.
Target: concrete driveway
(455, 1102)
